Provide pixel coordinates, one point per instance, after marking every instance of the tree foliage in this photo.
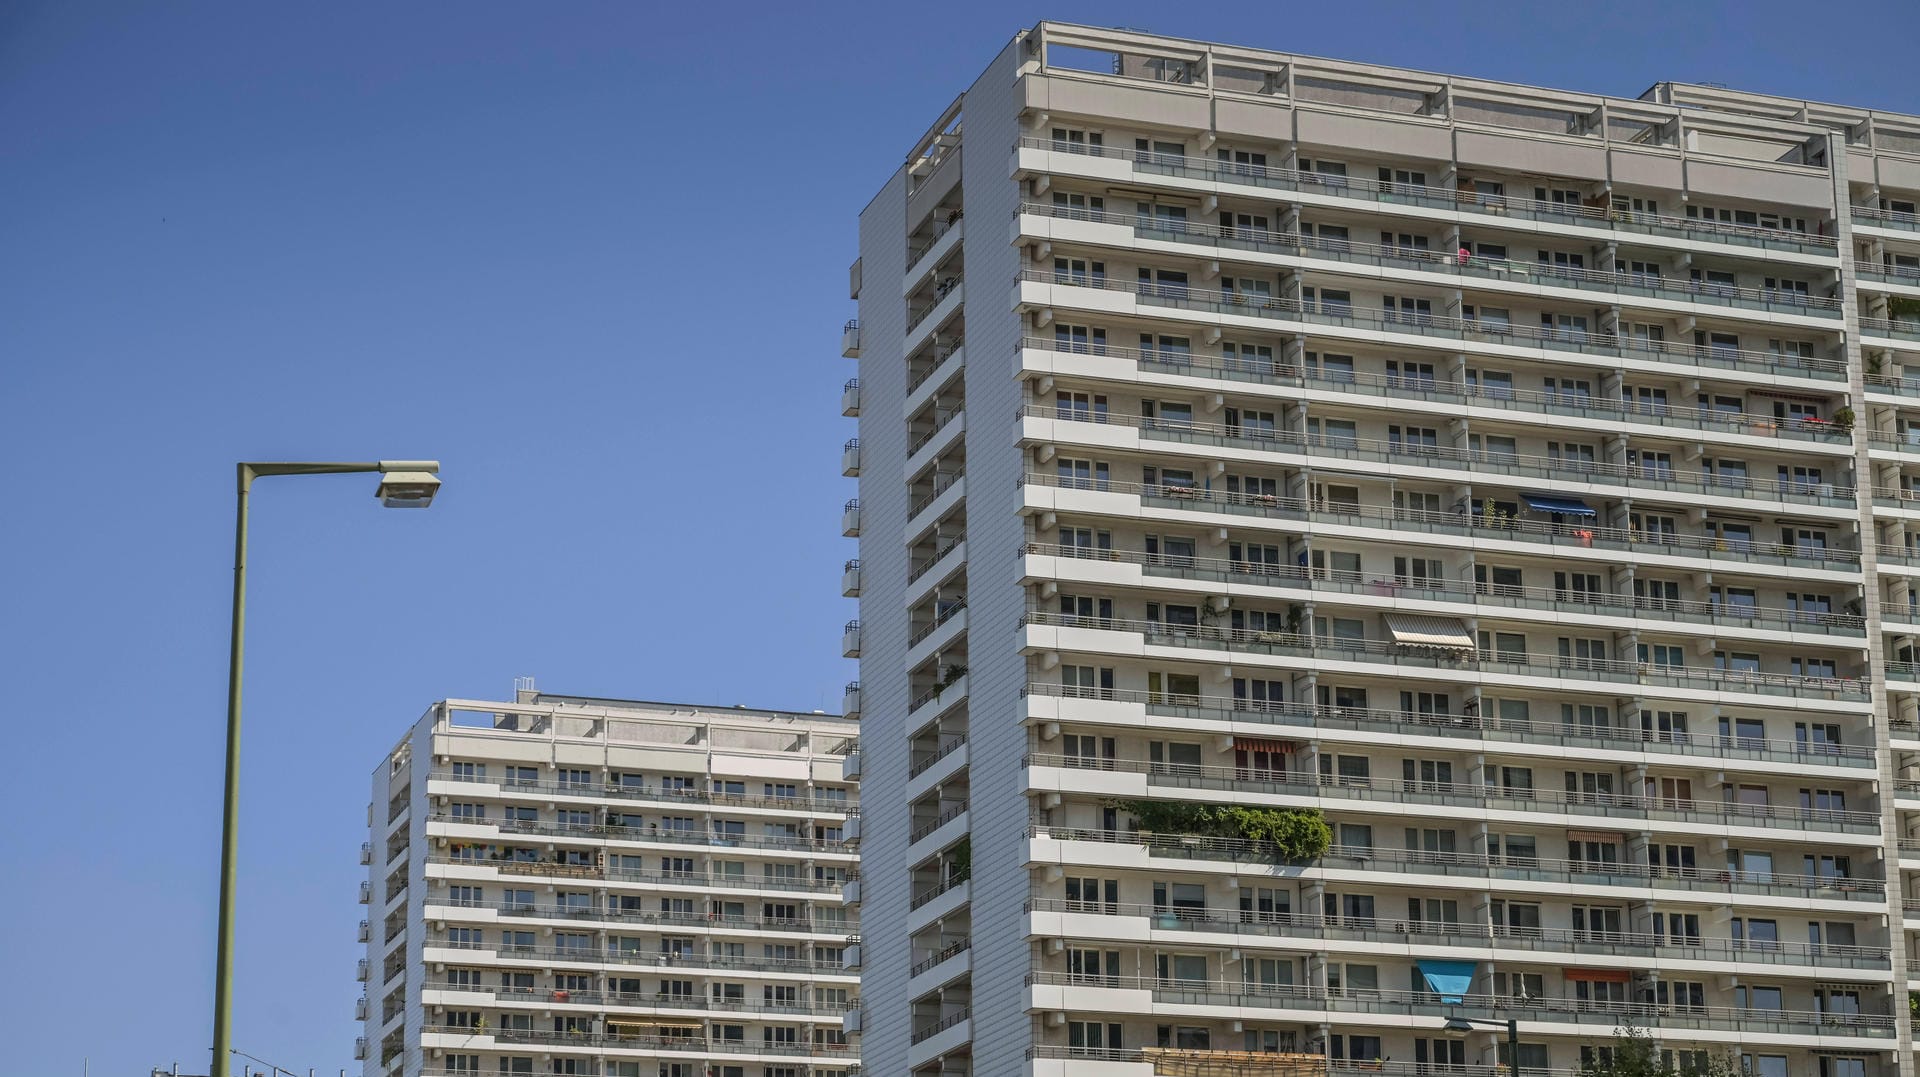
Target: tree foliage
(1635, 1053)
(1294, 833)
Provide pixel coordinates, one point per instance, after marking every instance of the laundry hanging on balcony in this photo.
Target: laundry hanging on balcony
(1451, 980)
(1420, 630)
(1565, 506)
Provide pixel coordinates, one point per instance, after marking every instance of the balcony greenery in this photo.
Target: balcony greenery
(1294, 833)
(1634, 1052)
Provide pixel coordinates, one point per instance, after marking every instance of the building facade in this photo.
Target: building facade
(1519, 481)
(562, 885)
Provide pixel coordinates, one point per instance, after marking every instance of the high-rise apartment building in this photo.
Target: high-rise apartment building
(1521, 481)
(561, 885)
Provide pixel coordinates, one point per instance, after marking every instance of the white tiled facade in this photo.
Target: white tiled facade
(563, 885)
(1521, 478)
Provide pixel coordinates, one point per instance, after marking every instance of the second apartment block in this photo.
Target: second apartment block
(1521, 482)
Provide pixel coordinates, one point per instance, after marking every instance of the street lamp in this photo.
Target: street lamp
(403, 484)
(1466, 1024)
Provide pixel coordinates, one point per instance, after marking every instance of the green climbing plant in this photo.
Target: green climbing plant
(1294, 833)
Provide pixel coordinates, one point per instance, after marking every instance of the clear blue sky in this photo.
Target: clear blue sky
(593, 256)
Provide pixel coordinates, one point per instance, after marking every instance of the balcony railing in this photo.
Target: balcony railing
(1315, 448)
(928, 893)
(1235, 993)
(940, 357)
(688, 1044)
(947, 611)
(598, 833)
(1431, 932)
(592, 914)
(927, 1032)
(944, 953)
(1451, 263)
(1467, 330)
(1892, 274)
(1398, 387)
(938, 821)
(1482, 866)
(922, 763)
(695, 879)
(545, 997)
(1628, 738)
(942, 482)
(1487, 662)
(1886, 218)
(946, 547)
(1410, 194)
(1511, 528)
(1474, 795)
(1554, 599)
(1900, 328)
(794, 966)
(622, 791)
(1185, 1062)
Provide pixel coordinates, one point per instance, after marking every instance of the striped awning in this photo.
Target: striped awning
(1420, 630)
(1261, 744)
(1603, 976)
(1595, 835)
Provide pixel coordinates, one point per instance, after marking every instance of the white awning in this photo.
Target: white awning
(1419, 630)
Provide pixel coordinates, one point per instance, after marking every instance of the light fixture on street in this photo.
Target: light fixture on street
(1467, 1024)
(404, 484)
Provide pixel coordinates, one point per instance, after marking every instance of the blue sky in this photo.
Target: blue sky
(593, 256)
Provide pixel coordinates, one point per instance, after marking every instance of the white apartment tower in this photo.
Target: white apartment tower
(1523, 480)
(561, 885)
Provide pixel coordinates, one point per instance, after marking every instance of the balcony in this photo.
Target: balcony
(925, 761)
(1363, 323)
(850, 579)
(558, 873)
(1497, 274)
(597, 790)
(366, 853)
(1316, 450)
(366, 893)
(1552, 600)
(549, 999)
(850, 700)
(1479, 797)
(1472, 731)
(945, 297)
(651, 835)
(634, 958)
(699, 921)
(850, 764)
(850, 833)
(1395, 390)
(1480, 665)
(850, 640)
(1367, 863)
(650, 1044)
(362, 969)
(850, 458)
(1170, 992)
(1571, 537)
(1491, 208)
(366, 931)
(926, 1032)
(850, 339)
(1895, 328)
(1629, 944)
(950, 691)
(1874, 217)
(932, 826)
(934, 502)
(850, 398)
(850, 519)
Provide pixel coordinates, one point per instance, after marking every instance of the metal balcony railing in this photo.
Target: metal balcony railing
(1622, 737)
(1451, 263)
(1393, 388)
(1321, 447)
(1359, 188)
(1496, 662)
(1457, 933)
(650, 793)
(1472, 794)
(1216, 301)
(1510, 528)
(1554, 599)
(1481, 866)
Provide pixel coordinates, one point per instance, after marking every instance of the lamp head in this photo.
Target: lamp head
(1458, 1024)
(408, 484)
